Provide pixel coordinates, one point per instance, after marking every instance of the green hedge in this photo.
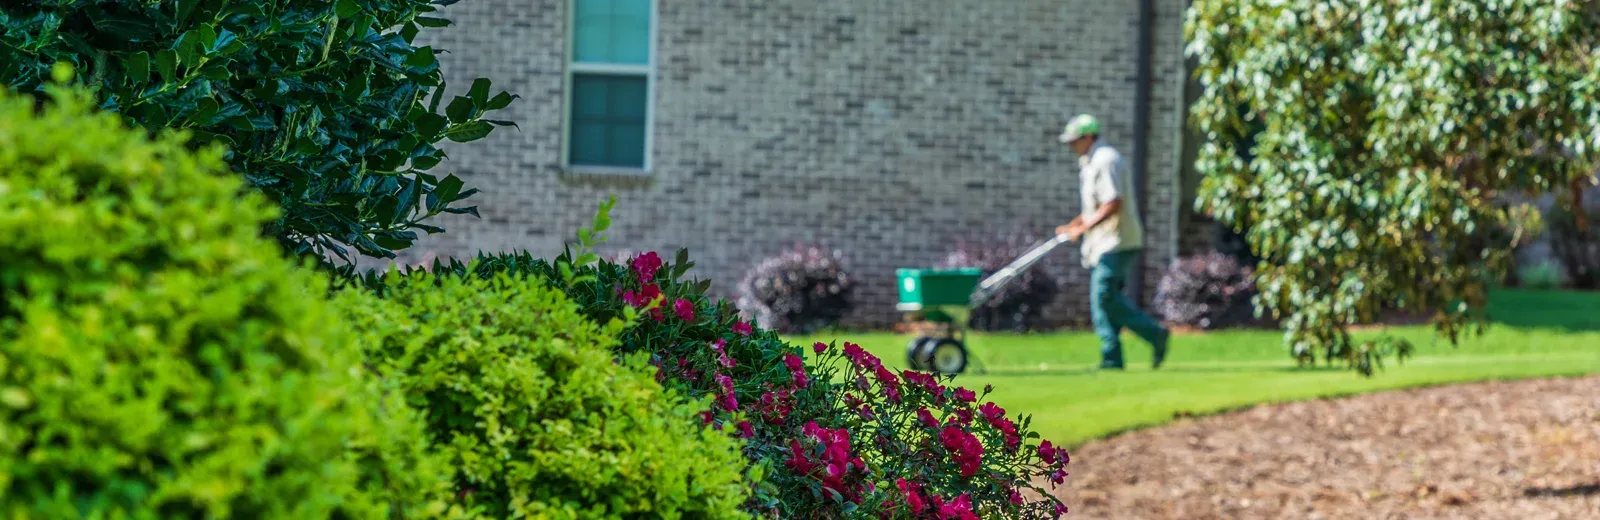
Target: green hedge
(522, 395)
(158, 359)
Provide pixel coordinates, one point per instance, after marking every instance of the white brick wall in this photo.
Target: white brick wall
(887, 128)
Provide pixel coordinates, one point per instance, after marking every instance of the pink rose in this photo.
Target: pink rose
(966, 395)
(684, 309)
(958, 509)
(992, 412)
(927, 418)
(913, 499)
(646, 265)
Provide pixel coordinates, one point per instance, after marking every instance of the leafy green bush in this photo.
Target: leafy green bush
(327, 106)
(523, 398)
(158, 359)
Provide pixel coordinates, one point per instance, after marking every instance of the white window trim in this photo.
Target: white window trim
(573, 68)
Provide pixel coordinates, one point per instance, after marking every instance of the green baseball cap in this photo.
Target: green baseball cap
(1083, 124)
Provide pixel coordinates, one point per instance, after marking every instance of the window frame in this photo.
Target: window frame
(573, 68)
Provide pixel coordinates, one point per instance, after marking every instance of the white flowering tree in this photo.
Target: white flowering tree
(1368, 147)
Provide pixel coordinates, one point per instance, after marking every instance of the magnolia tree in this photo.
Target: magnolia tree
(1367, 148)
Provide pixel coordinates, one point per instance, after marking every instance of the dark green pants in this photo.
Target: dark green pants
(1112, 311)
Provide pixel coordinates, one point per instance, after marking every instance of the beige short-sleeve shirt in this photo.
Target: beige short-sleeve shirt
(1103, 177)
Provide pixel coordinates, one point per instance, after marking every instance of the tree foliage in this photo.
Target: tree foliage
(1363, 143)
(327, 106)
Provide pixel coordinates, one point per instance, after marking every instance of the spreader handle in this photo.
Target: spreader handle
(992, 285)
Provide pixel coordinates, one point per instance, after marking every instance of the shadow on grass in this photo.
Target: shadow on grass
(1567, 311)
(1033, 372)
(1170, 369)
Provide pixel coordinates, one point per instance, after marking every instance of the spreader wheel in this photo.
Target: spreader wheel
(943, 355)
(917, 351)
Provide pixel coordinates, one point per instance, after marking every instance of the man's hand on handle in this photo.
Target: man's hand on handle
(1073, 230)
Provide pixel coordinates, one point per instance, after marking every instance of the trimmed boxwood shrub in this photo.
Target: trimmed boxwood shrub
(1019, 307)
(522, 397)
(158, 358)
(802, 290)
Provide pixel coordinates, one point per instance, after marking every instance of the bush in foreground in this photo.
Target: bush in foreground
(840, 436)
(158, 359)
(523, 399)
(800, 291)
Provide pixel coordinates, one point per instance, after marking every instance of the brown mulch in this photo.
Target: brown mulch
(1502, 450)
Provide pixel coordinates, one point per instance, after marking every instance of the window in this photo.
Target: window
(610, 83)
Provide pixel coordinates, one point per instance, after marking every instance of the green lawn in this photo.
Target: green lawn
(1536, 334)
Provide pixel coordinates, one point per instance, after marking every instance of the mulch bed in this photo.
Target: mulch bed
(1502, 450)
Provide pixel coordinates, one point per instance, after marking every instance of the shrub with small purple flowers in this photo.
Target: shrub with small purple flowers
(802, 290)
(1208, 291)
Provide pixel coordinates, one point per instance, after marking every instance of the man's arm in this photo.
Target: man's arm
(1080, 225)
(1105, 186)
(1100, 215)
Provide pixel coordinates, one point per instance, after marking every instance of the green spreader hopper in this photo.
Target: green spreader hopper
(942, 297)
(946, 298)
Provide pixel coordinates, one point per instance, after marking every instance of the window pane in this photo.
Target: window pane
(588, 143)
(630, 36)
(609, 120)
(627, 145)
(612, 31)
(590, 97)
(628, 98)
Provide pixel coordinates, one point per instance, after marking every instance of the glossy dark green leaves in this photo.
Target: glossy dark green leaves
(311, 97)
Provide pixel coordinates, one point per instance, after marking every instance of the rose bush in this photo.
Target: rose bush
(838, 436)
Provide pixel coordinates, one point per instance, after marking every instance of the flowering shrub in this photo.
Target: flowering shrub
(839, 436)
(1208, 291)
(1018, 307)
(800, 291)
(930, 450)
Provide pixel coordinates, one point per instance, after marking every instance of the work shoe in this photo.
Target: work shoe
(1160, 346)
